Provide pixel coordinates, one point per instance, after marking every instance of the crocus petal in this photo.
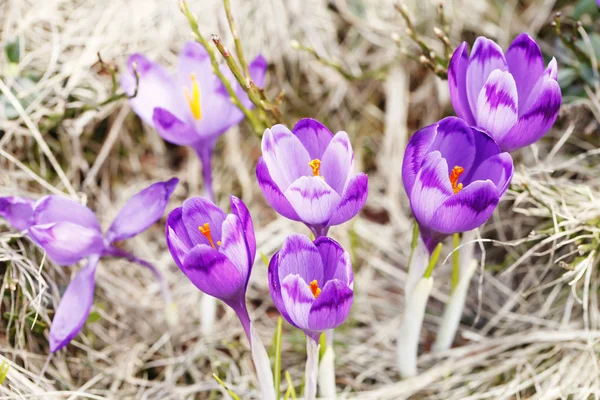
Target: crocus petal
(272, 193)
(74, 307)
(156, 88)
(178, 240)
(173, 129)
(416, 150)
(239, 208)
(55, 208)
(336, 261)
(66, 242)
(525, 63)
(537, 121)
(313, 199)
(454, 133)
(552, 70)
(212, 273)
(353, 200)
(432, 187)
(285, 156)
(331, 308)
(297, 298)
(217, 112)
(457, 82)
(18, 211)
(233, 245)
(299, 256)
(498, 169)
(314, 136)
(275, 287)
(198, 211)
(485, 57)
(466, 210)
(337, 161)
(141, 211)
(497, 104)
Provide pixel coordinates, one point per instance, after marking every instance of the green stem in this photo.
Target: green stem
(413, 244)
(238, 44)
(433, 259)
(455, 262)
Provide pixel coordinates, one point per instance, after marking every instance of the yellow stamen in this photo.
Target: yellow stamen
(205, 230)
(314, 288)
(193, 99)
(454, 175)
(315, 165)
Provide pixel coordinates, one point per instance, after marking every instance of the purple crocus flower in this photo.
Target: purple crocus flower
(214, 250)
(454, 176)
(193, 108)
(312, 283)
(307, 175)
(70, 232)
(511, 97)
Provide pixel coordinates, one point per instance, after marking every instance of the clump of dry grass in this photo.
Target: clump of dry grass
(531, 324)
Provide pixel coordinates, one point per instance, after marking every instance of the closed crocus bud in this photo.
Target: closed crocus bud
(312, 284)
(307, 175)
(513, 97)
(214, 250)
(454, 176)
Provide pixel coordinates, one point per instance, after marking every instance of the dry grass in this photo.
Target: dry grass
(531, 327)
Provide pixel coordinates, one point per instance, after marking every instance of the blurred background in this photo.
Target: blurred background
(531, 323)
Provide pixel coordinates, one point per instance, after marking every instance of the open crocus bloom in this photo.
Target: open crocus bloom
(511, 97)
(192, 108)
(214, 250)
(454, 176)
(70, 232)
(307, 175)
(312, 283)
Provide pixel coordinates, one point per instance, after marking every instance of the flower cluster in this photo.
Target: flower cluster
(456, 171)
(69, 232)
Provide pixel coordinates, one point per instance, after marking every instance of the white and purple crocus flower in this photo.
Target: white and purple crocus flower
(311, 284)
(192, 108)
(513, 97)
(454, 176)
(70, 232)
(214, 250)
(306, 174)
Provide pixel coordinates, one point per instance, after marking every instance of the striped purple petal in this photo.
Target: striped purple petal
(497, 104)
(331, 308)
(313, 200)
(272, 193)
(314, 136)
(353, 200)
(486, 57)
(337, 162)
(526, 64)
(18, 211)
(457, 82)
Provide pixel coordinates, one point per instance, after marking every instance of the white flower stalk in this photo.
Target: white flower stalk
(208, 314)
(456, 302)
(408, 336)
(312, 369)
(263, 366)
(327, 388)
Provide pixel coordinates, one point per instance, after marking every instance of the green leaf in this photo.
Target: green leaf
(13, 51)
(4, 367)
(277, 356)
(231, 392)
(94, 317)
(265, 259)
(322, 345)
(291, 391)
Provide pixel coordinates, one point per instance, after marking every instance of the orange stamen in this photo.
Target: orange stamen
(454, 175)
(205, 230)
(314, 288)
(315, 165)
